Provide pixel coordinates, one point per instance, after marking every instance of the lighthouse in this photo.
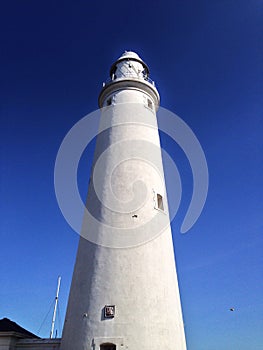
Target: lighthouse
(124, 292)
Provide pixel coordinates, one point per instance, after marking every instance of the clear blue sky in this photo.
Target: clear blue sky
(206, 58)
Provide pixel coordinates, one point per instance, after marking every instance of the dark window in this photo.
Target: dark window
(150, 104)
(160, 201)
(107, 346)
(109, 101)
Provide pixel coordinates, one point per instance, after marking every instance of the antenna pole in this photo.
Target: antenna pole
(55, 309)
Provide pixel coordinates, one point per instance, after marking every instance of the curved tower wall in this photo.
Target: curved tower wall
(132, 266)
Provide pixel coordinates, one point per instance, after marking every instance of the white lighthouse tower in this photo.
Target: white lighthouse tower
(124, 292)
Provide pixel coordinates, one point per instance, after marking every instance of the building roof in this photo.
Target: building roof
(7, 325)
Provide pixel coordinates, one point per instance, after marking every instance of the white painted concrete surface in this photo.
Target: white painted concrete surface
(133, 265)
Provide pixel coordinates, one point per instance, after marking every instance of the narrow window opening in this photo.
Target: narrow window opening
(160, 201)
(150, 104)
(109, 101)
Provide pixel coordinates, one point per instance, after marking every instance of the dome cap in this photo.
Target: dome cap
(130, 55)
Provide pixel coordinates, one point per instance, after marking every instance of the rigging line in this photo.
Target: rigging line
(46, 316)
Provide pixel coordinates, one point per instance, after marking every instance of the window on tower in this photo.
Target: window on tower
(109, 101)
(149, 103)
(160, 202)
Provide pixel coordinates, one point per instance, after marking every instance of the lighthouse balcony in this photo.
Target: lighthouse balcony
(129, 82)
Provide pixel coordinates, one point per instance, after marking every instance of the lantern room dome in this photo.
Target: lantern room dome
(130, 56)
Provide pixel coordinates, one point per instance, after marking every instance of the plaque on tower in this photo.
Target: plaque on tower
(109, 311)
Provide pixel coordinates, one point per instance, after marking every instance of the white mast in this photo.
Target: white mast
(55, 309)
